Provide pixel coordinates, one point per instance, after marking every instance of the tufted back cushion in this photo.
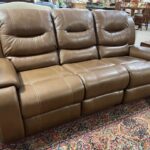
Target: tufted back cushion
(113, 32)
(27, 38)
(76, 36)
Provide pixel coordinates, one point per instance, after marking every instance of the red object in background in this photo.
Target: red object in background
(134, 1)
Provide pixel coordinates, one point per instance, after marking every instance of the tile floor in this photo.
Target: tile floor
(142, 36)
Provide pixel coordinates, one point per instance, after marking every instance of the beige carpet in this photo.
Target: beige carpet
(142, 36)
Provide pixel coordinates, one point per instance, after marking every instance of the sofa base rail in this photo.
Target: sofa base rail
(137, 93)
(52, 118)
(101, 102)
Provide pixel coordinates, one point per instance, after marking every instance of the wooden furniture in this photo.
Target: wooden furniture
(132, 9)
(139, 18)
(91, 7)
(79, 5)
(118, 6)
(143, 17)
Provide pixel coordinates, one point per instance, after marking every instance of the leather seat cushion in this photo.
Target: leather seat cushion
(86, 66)
(139, 69)
(139, 73)
(48, 89)
(100, 78)
(122, 60)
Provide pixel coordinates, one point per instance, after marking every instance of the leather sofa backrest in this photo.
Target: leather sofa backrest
(27, 38)
(76, 35)
(131, 31)
(113, 32)
(22, 5)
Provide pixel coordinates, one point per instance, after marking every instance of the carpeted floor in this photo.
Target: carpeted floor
(124, 127)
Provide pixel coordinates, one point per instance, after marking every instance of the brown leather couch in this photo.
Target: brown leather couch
(55, 67)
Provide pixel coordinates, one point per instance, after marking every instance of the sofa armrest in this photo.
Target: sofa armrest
(140, 52)
(8, 75)
(11, 122)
